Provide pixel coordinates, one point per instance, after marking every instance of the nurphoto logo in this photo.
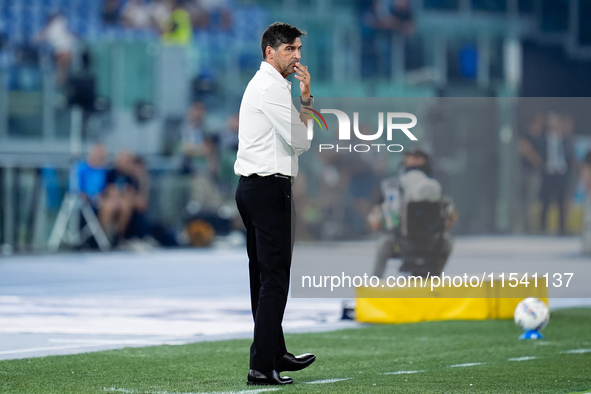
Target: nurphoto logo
(344, 130)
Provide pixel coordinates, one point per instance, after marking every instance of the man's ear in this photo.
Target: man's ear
(270, 52)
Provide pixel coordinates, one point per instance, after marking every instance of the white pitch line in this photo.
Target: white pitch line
(524, 358)
(244, 391)
(577, 351)
(146, 341)
(83, 344)
(322, 381)
(265, 390)
(465, 365)
(126, 391)
(41, 349)
(99, 342)
(401, 372)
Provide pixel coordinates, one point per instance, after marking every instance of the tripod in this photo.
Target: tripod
(67, 225)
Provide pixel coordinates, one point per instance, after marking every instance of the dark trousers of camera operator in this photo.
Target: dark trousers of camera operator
(267, 210)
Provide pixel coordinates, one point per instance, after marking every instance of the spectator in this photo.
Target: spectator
(91, 182)
(177, 30)
(369, 23)
(139, 225)
(120, 197)
(139, 173)
(586, 173)
(197, 147)
(228, 139)
(530, 147)
(137, 15)
(57, 35)
(568, 125)
(586, 179)
(557, 168)
(199, 15)
(200, 157)
(111, 11)
(160, 11)
(376, 27)
(218, 13)
(92, 175)
(400, 18)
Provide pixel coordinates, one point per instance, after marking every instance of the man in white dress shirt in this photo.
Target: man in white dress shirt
(271, 136)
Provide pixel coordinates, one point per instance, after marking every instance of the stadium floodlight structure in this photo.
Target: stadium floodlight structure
(67, 227)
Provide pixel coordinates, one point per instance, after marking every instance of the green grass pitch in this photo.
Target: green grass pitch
(447, 357)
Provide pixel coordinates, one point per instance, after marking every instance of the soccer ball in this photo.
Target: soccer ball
(531, 314)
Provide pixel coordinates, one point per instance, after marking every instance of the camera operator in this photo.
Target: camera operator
(413, 184)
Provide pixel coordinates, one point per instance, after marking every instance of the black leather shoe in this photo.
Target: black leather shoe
(289, 362)
(266, 378)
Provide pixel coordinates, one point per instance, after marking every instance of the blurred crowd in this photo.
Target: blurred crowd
(159, 14)
(174, 21)
(378, 24)
(167, 16)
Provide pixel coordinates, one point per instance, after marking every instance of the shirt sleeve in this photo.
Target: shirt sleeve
(276, 104)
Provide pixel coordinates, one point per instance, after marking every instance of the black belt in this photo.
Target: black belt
(289, 178)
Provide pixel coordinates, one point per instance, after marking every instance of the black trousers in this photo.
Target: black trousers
(554, 188)
(267, 210)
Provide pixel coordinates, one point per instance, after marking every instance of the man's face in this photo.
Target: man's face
(414, 161)
(285, 57)
(124, 161)
(97, 157)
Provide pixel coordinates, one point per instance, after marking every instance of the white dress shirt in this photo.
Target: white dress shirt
(271, 135)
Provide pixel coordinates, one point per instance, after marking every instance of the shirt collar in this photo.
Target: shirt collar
(272, 71)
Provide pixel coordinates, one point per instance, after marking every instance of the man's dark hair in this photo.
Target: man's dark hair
(277, 34)
(417, 153)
